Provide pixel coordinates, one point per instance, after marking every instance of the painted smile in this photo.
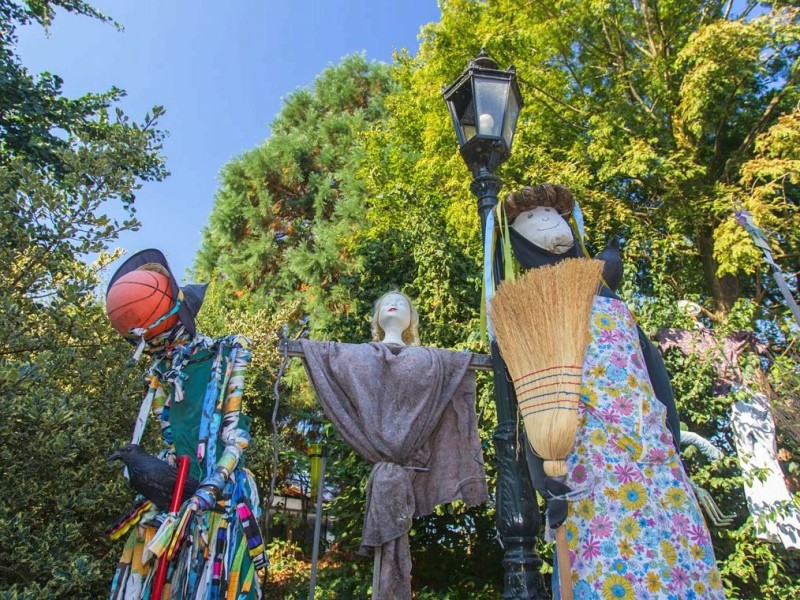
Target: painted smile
(546, 228)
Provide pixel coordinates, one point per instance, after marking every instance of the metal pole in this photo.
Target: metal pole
(517, 514)
(317, 524)
(376, 572)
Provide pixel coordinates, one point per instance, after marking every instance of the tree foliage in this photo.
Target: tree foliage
(68, 401)
(662, 116)
(288, 234)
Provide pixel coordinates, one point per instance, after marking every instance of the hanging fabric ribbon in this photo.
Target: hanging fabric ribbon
(488, 287)
(175, 375)
(144, 409)
(502, 223)
(210, 403)
(489, 284)
(575, 221)
(577, 217)
(216, 418)
(141, 332)
(744, 219)
(255, 543)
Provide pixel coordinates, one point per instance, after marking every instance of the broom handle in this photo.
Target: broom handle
(564, 569)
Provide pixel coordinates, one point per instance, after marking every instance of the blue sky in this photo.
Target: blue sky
(220, 69)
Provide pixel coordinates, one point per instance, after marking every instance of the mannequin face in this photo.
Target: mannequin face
(544, 227)
(394, 314)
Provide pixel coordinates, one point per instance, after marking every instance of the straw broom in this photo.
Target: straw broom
(541, 322)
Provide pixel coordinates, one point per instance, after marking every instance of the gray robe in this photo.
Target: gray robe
(410, 411)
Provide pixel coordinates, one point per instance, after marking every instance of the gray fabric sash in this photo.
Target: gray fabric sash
(410, 411)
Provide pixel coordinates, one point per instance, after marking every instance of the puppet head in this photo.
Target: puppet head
(175, 306)
(540, 233)
(395, 311)
(142, 299)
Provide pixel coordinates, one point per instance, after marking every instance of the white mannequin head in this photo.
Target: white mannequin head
(545, 228)
(395, 320)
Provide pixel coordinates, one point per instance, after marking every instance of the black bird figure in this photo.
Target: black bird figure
(151, 477)
(612, 269)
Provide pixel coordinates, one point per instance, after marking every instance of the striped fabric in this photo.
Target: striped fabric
(217, 553)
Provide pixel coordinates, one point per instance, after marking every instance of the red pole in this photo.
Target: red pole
(177, 497)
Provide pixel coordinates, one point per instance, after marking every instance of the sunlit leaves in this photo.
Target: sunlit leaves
(662, 117)
(68, 399)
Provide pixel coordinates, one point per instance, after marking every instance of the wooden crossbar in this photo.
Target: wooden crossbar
(478, 362)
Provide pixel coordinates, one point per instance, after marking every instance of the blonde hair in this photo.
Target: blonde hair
(411, 335)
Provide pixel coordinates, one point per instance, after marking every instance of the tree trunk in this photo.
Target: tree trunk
(725, 290)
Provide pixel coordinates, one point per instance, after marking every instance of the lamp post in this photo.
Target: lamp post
(484, 104)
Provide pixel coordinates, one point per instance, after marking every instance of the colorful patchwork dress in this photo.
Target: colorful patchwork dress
(634, 526)
(196, 393)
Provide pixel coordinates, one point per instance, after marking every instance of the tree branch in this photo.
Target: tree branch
(751, 4)
(728, 10)
(553, 98)
(723, 118)
(766, 116)
(649, 28)
(575, 127)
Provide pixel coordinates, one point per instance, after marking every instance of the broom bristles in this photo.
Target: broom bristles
(541, 322)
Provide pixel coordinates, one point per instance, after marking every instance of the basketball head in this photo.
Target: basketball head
(156, 298)
(138, 299)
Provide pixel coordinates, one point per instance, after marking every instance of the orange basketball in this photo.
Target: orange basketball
(139, 299)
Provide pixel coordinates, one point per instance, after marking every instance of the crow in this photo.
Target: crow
(151, 477)
(612, 269)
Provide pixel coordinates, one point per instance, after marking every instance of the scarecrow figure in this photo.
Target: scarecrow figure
(769, 499)
(410, 411)
(632, 526)
(195, 386)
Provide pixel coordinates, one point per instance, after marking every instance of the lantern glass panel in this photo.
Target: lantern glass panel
(510, 124)
(490, 96)
(462, 110)
(467, 121)
(469, 132)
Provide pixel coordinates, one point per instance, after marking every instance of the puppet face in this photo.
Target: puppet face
(545, 228)
(394, 313)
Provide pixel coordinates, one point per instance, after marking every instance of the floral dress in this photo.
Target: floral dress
(634, 528)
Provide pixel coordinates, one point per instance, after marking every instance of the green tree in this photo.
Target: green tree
(68, 401)
(288, 234)
(662, 116)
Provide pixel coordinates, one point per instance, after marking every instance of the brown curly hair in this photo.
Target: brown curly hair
(545, 194)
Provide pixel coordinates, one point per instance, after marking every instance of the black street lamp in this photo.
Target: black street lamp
(484, 104)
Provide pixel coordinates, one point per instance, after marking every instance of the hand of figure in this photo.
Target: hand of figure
(203, 499)
(713, 512)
